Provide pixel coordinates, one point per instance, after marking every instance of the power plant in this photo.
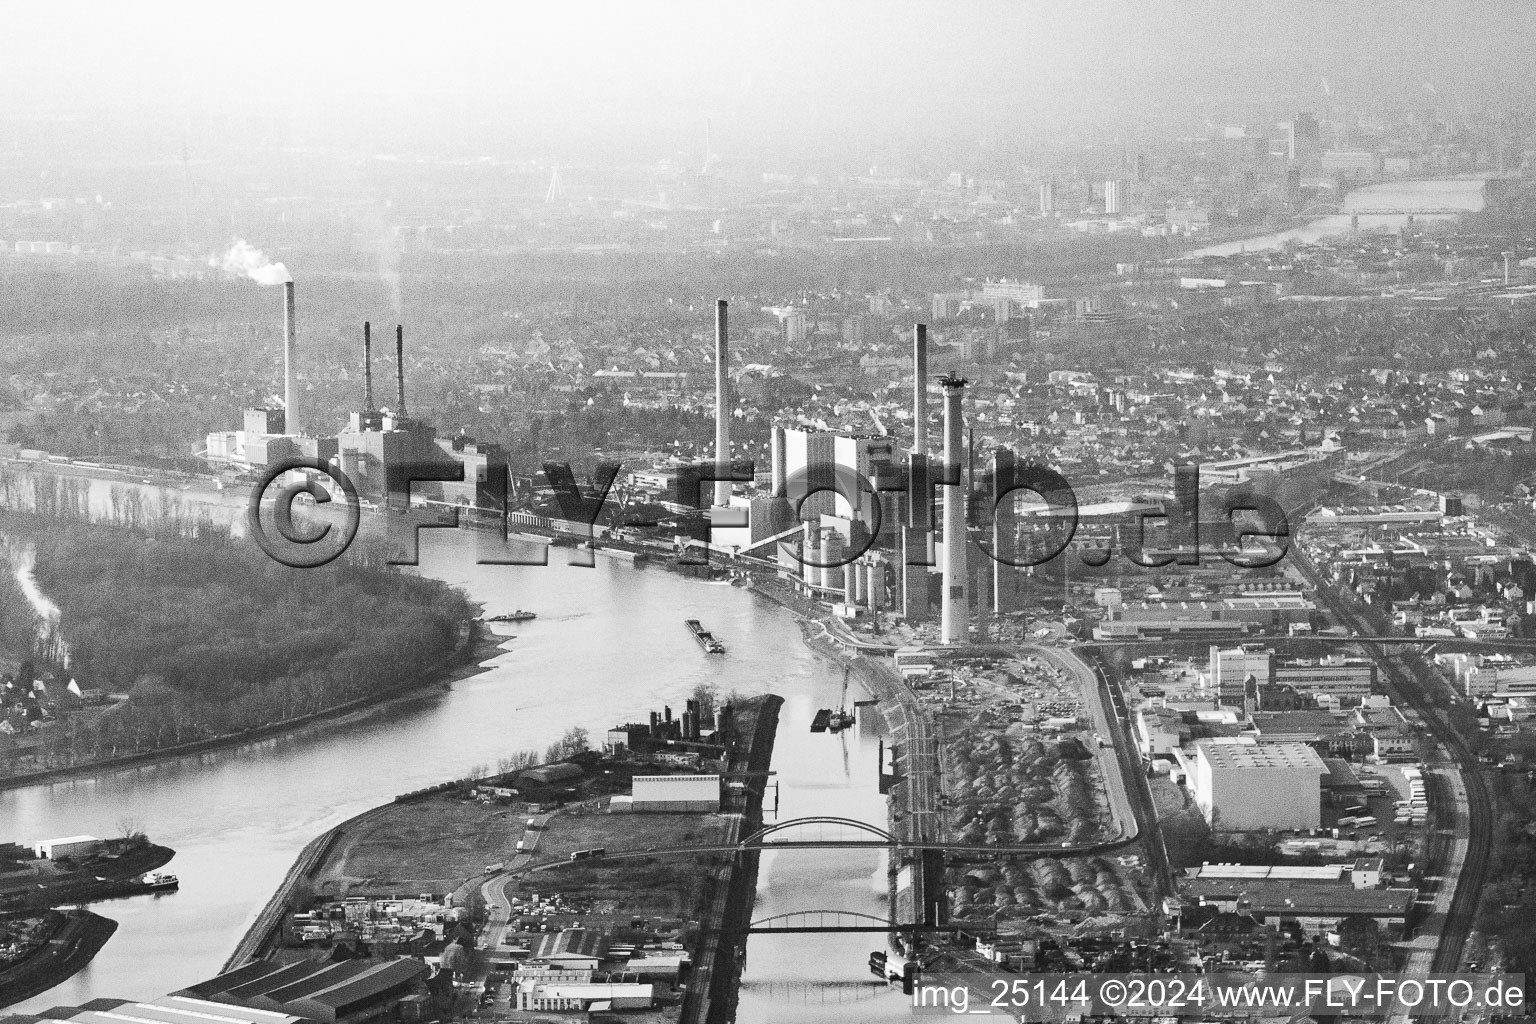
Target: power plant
(374, 447)
(806, 517)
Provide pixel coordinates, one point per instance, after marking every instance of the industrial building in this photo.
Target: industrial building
(677, 793)
(69, 846)
(589, 997)
(1315, 909)
(264, 992)
(572, 949)
(1274, 613)
(549, 774)
(1241, 786)
(1237, 672)
(315, 990)
(1350, 680)
(164, 1010)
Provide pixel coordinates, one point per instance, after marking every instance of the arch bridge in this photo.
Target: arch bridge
(806, 921)
(825, 831)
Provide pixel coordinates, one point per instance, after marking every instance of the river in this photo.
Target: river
(1461, 194)
(609, 645)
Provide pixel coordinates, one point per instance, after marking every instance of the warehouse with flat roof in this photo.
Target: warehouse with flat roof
(1241, 786)
(685, 793)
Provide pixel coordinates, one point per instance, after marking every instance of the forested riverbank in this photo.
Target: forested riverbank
(178, 640)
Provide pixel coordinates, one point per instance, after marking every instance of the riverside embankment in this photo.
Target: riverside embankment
(609, 645)
(75, 937)
(722, 950)
(475, 645)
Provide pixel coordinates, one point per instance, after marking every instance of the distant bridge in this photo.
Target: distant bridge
(1321, 209)
(832, 833)
(802, 922)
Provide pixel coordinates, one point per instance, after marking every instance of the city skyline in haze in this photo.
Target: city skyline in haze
(608, 81)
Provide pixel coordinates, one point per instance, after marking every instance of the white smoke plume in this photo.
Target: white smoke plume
(244, 258)
(389, 270)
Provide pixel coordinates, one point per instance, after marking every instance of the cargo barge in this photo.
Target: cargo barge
(517, 616)
(705, 638)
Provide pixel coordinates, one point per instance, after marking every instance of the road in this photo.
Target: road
(494, 891)
(1139, 789)
(1118, 783)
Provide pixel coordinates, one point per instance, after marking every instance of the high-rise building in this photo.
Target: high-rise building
(1022, 293)
(792, 327)
(1047, 197)
(1305, 136)
(855, 329)
(1232, 668)
(1111, 196)
(946, 305)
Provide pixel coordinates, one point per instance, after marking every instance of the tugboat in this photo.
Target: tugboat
(705, 638)
(517, 616)
(158, 882)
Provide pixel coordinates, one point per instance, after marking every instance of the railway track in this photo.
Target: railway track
(1411, 682)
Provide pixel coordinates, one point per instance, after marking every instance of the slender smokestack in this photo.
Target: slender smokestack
(367, 367)
(400, 369)
(722, 402)
(955, 609)
(919, 389)
(290, 363)
(779, 482)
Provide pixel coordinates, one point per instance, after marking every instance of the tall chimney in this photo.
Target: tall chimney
(955, 608)
(290, 363)
(400, 369)
(780, 485)
(919, 389)
(722, 403)
(367, 369)
(917, 541)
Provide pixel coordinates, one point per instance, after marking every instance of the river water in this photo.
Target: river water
(608, 646)
(1463, 194)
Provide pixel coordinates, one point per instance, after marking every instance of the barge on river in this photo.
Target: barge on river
(705, 638)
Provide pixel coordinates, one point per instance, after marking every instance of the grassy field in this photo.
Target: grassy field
(434, 845)
(424, 846)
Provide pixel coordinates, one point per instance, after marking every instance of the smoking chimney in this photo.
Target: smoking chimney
(290, 364)
(400, 369)
(955, 608)
(722, 403)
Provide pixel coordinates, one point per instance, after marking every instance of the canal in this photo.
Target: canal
(608, 645)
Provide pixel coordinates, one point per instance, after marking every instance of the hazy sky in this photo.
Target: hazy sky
(775, 70)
